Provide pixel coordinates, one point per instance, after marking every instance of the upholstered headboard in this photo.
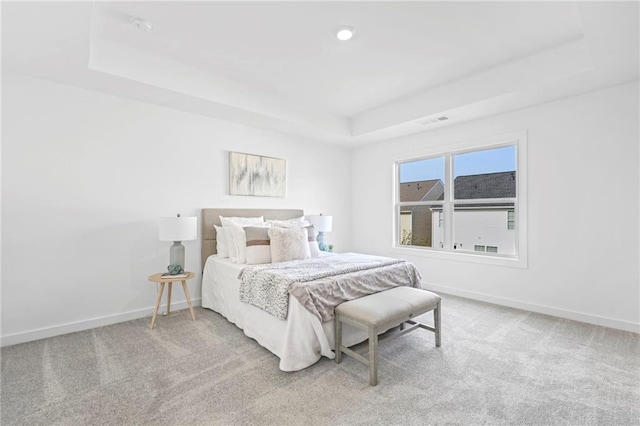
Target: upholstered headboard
(211, 217)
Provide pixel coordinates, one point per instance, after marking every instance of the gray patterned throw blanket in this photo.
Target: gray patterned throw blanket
(322, 283)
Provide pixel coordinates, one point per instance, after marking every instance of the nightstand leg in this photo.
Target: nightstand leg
(155, 312)
(169, 297)
(186, 293)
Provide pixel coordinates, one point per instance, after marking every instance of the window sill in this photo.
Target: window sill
(497, 260)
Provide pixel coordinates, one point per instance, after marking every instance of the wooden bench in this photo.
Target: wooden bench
(380, 312)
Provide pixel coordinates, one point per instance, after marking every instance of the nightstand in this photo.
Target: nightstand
(168, 279)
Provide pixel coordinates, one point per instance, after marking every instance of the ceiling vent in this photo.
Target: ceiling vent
(141, 24)
(433, 120)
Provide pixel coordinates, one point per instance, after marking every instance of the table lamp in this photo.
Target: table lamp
(322, 224)
(178, 229)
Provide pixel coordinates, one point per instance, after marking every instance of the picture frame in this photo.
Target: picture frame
(257, 175)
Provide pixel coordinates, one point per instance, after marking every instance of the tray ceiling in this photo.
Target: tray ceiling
(278, 65)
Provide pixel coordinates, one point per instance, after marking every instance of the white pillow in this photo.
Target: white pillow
(289, 244)
(298, 222)
(258, 245)
(314, 249)
(232, 245)
(221, 242)
(242, 220)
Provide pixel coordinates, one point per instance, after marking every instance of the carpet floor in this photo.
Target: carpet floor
(496, 366)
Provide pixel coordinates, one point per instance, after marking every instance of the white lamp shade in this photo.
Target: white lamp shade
(320, 222)
(178, 228)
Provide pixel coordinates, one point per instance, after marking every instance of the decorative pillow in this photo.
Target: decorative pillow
(240, 240)
(299, 222)
(289, 244)
(232, 244)
(258, 245)
(314, 249)
(222, 247)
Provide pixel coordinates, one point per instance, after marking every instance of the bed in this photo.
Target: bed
(300, 339)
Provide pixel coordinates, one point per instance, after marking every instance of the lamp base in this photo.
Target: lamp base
(321, 244)
(176, 254)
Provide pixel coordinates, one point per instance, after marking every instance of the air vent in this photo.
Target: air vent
(141, 24)
(433, 120)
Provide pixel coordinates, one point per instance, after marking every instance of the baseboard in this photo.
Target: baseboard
(57, 330)
(541, 309)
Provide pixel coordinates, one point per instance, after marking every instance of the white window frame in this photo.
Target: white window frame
(519, 259)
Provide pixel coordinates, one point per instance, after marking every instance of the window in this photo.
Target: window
(421, 202)
(458, 201)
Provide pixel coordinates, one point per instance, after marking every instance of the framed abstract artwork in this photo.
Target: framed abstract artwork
(257, 175)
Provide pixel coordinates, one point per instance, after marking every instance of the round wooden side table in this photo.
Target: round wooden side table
(168, 279)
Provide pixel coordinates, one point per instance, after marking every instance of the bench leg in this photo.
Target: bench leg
(436, 323)
(338, 339)
(373, 356)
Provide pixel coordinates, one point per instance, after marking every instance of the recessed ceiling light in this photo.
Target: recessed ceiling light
(345, 33)
(141, 24)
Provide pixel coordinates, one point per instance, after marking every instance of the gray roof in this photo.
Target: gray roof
(489, 185)
(418, 190)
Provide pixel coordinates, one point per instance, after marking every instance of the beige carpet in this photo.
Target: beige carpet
(496, 366)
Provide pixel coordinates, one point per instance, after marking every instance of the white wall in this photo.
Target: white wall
(85, 178)
(582, 162)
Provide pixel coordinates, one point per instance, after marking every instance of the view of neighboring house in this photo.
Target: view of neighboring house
(485, 227)
(415, 221)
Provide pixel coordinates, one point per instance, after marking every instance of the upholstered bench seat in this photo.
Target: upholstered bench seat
(381, 311)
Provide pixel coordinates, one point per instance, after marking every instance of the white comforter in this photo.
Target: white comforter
(299, 341)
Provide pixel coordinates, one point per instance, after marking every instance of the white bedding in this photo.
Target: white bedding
(299, 341)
